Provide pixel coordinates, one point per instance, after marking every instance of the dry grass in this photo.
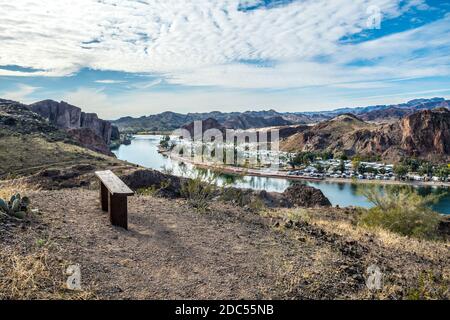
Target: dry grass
(35, 275)
(29, 266)
(11, 187)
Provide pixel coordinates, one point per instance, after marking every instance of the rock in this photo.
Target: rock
(145, 178)
(305, 196)
(89, 139)
(69, 117)
(100, 127)
(115, 134)
(61, 114)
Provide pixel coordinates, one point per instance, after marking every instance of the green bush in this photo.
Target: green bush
(199, 191)
(402, 211)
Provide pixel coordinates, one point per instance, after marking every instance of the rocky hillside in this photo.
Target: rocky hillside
(29, 143)
(83, 125)
(424, 134)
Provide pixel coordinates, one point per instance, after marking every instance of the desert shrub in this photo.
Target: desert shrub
(154, 190)
(402, 211)
(430, 286)
(200, 190)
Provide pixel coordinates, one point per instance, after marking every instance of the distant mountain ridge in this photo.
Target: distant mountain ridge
(168, 121)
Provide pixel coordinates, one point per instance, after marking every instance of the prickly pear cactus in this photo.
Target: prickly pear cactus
(16, 207)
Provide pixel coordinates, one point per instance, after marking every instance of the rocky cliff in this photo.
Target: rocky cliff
(69, 117)
(423, 134)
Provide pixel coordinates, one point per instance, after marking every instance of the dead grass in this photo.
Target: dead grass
(32, 153)
(36, 275)
(11, 187)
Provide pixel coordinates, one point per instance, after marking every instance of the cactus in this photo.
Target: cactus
(4, 206)
(16, 207)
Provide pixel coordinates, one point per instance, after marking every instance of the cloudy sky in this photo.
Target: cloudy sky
(139, 57)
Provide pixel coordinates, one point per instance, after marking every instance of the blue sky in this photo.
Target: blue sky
(136, 58)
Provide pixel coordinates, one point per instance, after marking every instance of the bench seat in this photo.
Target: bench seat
(113, 197)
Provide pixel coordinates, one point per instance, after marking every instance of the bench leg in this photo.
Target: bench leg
(118, 211)
(104, 196)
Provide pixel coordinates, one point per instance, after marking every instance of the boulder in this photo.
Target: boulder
(305, 196)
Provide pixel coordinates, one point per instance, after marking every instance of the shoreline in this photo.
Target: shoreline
(280, 175)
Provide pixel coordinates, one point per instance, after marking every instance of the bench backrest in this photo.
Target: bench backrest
(113, 183)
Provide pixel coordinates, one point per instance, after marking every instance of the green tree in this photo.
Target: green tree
(443, 172)
(400, 170)
(362, 168)
(319, 168)
(341, 166)
(426, 169)
(401, 210)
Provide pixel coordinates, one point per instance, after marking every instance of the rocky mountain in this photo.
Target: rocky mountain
(67, 116)
(30, 143)
(423, 134)
(169, 121)
(207, 124)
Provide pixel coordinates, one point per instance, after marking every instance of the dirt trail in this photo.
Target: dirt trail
(171, 251)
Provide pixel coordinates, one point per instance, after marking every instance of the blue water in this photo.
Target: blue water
(143, 151)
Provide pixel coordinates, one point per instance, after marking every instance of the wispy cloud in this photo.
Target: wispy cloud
(202, 42)
(21, 93)
(109, 81)
(240, 53)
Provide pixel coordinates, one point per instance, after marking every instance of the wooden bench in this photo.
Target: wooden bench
(113, 197)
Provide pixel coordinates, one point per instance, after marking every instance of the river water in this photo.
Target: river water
(143, 151)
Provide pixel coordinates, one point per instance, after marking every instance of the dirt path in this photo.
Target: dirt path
(170, 251)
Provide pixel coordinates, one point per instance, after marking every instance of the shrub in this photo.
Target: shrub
(199, 191)
(402, 211)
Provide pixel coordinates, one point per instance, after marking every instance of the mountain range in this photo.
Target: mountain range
(168, 121)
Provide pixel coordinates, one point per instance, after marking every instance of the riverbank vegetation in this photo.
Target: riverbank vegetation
(401, 210)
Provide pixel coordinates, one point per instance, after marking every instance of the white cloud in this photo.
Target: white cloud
(109, 81)
(21, 93)
(200, 43)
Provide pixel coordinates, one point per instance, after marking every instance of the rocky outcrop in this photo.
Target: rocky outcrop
(115, 134)
(305, 196)
(170, 186)
(426, 132)
(69, 117)
(87, 137)
(100, 127)
(61, 114)
(423, 134)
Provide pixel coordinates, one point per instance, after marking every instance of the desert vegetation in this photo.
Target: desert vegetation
(401, 210)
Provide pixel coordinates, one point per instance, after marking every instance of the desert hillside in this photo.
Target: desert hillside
(423, 134)
(30, 143)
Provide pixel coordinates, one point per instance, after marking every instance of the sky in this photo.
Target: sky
(140, 57)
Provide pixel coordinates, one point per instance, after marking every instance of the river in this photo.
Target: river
(143, 151)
